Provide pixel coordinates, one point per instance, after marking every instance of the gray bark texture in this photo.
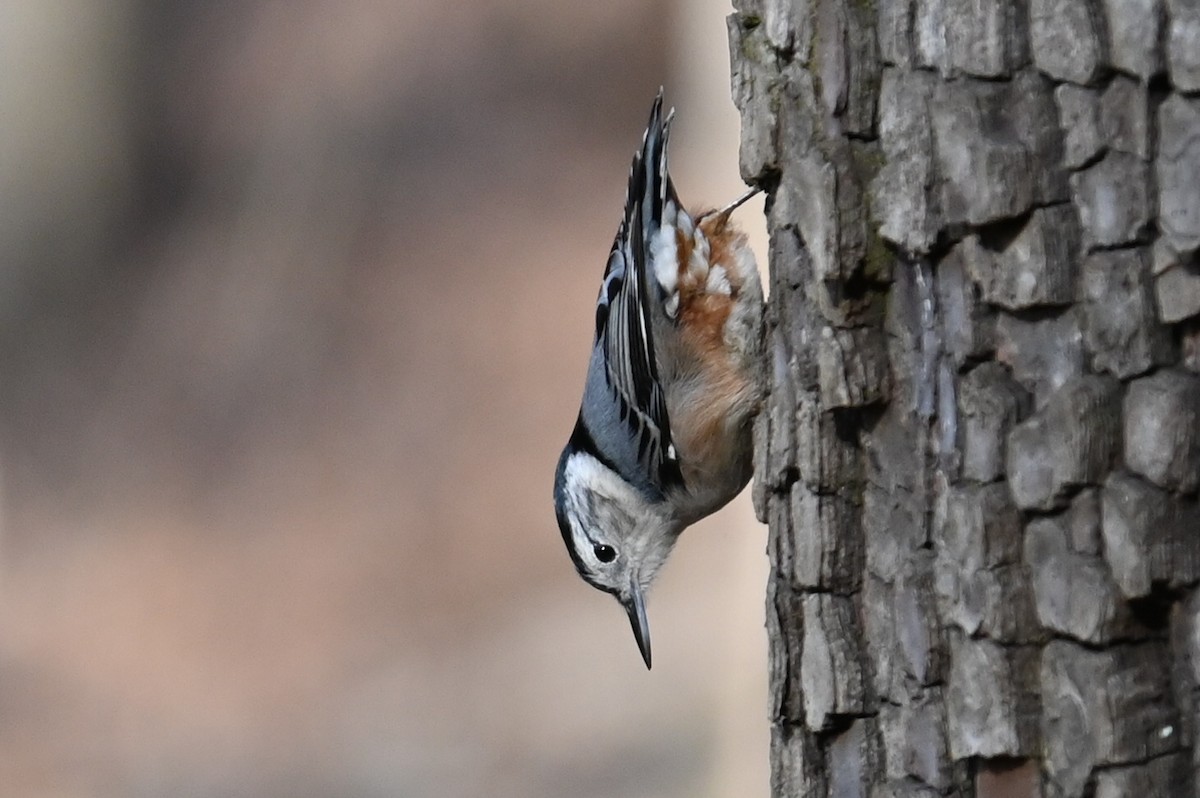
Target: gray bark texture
(981, 452)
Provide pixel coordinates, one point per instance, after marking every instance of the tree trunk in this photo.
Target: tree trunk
(981, 452)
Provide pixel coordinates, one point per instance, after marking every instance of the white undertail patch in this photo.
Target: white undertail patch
(743, 332)
(744, 263)
(664, 257)
(684, 223)
(718, 282)
(698, 261)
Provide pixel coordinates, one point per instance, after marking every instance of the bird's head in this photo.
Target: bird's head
(617, 537)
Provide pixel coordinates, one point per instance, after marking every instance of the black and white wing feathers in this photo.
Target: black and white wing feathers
(629, 299)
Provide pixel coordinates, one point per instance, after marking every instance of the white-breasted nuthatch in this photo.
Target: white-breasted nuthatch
(663, 436)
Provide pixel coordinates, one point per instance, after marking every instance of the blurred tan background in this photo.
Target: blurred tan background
(295, 302)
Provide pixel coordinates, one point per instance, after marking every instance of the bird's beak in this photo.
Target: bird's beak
(635, 605)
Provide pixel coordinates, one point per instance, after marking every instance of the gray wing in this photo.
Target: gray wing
(629, 297)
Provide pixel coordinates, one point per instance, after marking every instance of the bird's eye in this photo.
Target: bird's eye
(604, 553)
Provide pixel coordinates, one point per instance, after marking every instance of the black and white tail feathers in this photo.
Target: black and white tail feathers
(627, 304)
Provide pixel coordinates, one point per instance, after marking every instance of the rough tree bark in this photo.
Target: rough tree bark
(981, 452)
